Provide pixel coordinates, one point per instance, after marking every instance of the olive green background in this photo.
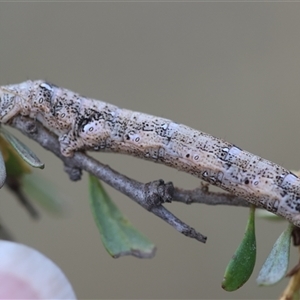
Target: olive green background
(229, 69)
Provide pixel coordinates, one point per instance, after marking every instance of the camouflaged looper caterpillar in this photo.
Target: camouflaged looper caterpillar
(89, 124)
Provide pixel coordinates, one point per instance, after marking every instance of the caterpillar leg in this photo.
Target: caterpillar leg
(88, 137)
(68, 144)
(8, 106)
(9, 112)
(295, 219)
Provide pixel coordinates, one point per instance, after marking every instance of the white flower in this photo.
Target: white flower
(25, 273)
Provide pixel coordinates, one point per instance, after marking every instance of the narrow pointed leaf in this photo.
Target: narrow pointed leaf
(242, 263)
(22, 150)
(262, 213)
(43, 192)
(118, 236)
(2, 170)
(276, 265)
(15, 165)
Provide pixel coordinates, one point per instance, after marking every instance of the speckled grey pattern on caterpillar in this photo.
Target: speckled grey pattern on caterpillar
(83, 123)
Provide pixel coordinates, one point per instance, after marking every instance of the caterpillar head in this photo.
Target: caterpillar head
(19, 99)
(10, 102)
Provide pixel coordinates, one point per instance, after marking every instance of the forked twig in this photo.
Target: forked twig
(150, 195)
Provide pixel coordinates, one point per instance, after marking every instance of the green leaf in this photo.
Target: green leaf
(15, 165)
(262, 213)
(43, 192)
(22, 150)
(276, 265)
(118, 236)
(242, 263)
(2, 170)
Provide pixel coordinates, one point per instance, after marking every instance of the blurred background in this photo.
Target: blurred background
(228, 69)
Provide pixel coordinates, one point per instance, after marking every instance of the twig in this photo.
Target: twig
(148, 195)
(204, 196)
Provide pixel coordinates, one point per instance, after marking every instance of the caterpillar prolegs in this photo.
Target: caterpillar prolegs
(88, 124)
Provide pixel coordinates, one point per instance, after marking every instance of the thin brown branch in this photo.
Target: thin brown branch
(150, 195)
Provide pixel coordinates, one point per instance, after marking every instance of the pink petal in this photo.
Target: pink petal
(25, 273)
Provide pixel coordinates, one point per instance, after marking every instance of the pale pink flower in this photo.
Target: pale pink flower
(26, 273)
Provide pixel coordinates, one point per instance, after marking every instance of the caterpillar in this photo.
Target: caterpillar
(87, 124)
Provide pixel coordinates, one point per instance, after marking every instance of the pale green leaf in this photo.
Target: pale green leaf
(2, 170)
(43, 192)
(15, 165)
(276, 265)
(119, 237)
(262, 213)
(22, 150)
